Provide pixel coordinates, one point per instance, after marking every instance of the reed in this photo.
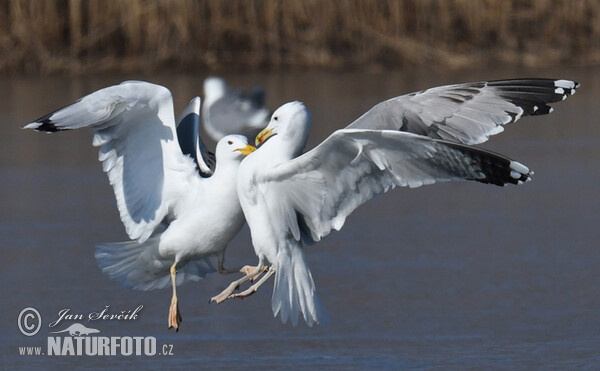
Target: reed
(83, 36)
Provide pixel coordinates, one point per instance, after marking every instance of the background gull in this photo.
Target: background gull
(288, 197)
(228, 111)
(154, 183)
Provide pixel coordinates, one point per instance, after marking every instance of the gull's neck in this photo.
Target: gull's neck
(225, 169)
(276, 151)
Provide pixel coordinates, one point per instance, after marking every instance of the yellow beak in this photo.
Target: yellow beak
(262, 136)
(246, 150)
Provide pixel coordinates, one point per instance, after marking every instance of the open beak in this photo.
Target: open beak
(246, 150)
(262, 136)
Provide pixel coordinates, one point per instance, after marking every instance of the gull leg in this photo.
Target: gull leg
(246, 269)
(174, 315)
(254, 288)
(255, 272)
(221, 267)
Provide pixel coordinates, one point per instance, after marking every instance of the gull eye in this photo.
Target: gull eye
(229, 142)
(275, 118)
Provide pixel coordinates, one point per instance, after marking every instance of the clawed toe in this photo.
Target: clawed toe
(225, 293)
(247, 269)
(254, 288)
(250, 274)
(174, 315)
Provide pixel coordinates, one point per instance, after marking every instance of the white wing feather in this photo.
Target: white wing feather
(134, 125)
(352, 166)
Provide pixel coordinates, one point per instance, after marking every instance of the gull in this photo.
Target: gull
(289, 197)
(227, 111)
(176, 218)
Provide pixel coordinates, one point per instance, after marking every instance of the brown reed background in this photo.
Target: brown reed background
(90, 36)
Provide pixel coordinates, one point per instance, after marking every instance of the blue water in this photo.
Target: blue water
(450, 276)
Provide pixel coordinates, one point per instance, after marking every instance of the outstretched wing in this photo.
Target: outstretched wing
(326, 184)
(466, 113)
(188, 135)
(134, 125)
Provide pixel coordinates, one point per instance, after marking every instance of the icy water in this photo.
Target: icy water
(450, 276)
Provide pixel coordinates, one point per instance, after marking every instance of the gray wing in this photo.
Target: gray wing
(188, 135)
(324, 185)
(466, 113)
(235, 114)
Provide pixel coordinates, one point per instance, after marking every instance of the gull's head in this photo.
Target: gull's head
(233, 147)
(290, 123)
(214, 88)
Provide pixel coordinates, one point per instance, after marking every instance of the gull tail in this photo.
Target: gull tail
(294, 291)
(139, 266)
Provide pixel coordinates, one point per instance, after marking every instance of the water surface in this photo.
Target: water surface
(450, 276)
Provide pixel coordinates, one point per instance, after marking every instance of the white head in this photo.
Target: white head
(232, 148)
(214, 88)
(291, 124)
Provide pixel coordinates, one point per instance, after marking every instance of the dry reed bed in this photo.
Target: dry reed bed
(82, 36)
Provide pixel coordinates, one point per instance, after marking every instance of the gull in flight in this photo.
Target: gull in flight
(178, 211)
(289, 197)
(227, 111)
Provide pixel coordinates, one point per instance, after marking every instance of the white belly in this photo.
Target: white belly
(205, 229)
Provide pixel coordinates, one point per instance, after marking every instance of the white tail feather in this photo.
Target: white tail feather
(139, 266)
(294, 291)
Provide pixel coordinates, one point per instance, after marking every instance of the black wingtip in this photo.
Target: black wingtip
(506, 171)
(48, 127)
(544, 109)
(534, 95)
(494, 168)
(44, 124)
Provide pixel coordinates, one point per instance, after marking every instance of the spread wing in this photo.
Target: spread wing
(326, 184)
(466, 113)
(134, 125)
(188, 135)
